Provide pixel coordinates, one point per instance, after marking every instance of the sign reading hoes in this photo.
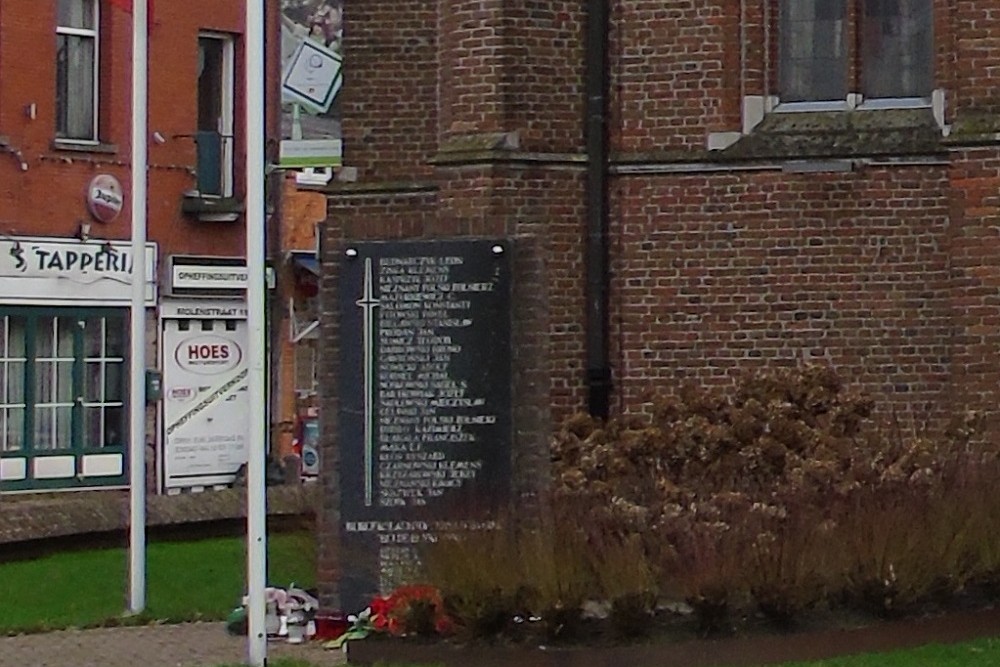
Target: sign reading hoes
(425, 395)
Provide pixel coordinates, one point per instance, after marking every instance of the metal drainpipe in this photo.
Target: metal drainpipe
(597, 289)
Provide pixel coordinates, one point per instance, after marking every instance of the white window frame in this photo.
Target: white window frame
(228, 103)
(854, 100)
(95, 34)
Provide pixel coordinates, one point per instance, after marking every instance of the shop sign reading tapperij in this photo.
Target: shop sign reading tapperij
(34, 268)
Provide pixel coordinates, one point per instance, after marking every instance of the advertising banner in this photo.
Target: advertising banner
(311, 33)
(205, 401)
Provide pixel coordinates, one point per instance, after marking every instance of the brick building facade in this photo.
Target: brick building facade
(786, 181)
(65, 133)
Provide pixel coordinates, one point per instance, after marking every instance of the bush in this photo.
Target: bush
(533, 581)
(787, 491)
(497, 580)
(780, 495)
(632, 614)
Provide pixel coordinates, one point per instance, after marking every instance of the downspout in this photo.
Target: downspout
(597, 288)
(274, 212)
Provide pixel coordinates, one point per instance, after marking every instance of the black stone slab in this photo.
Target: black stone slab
(425, 394)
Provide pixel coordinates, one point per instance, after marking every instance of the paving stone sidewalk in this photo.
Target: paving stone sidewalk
(184, 645)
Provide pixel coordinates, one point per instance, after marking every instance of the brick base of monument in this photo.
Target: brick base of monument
(750, 651)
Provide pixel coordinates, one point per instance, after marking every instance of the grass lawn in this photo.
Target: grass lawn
(185, 580)
(979, 653)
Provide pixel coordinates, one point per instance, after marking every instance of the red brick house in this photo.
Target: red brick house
(752, 183)
(65, 98)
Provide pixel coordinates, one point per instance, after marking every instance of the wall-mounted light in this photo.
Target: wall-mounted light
(83, 232)
(351, 252)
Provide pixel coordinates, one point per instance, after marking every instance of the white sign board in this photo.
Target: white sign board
(68, 271)
(202, 309)
(310, 153)
(312, 76)
(213, 277)
(205, 401)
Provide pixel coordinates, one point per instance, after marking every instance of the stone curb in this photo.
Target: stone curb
(25, 518)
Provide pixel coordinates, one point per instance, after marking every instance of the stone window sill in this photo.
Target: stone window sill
(83, 146)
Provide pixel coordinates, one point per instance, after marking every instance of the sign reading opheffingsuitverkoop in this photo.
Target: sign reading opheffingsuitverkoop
(205, 401)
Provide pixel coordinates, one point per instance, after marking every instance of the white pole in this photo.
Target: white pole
(137, 340)
(255, 227)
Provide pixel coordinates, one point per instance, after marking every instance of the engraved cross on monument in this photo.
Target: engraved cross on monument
(368, 303)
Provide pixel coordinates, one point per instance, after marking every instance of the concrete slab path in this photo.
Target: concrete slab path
(183, 645)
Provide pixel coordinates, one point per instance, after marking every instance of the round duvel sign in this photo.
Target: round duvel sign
(104, 197)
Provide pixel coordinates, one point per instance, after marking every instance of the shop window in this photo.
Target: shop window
(53, 366)
(104, 382)
(818, 59)
(77, 70)
(63, 379)
(12, 381)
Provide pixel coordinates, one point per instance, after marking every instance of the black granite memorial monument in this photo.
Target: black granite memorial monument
(425, 395)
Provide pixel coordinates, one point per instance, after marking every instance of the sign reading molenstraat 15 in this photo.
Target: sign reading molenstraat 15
(34, 269)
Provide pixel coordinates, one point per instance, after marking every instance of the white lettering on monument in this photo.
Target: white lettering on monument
(425, 415)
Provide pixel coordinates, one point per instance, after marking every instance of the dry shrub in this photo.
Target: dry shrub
(790, 563)
(976, 508)
(495, 581)
(473, 572)
(925, 538)
(623, 575)
(787, 491)
(784, 494)
(620, 566)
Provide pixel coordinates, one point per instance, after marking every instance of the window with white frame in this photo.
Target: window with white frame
(876, 48)
(76, 69)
